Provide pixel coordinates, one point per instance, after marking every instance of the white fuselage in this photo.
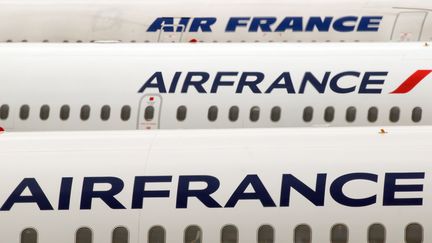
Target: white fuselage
(53, 184)
(215, 21)
(111, 86)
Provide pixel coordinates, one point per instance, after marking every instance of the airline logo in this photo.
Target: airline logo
(395, 189)
(270, 24)
(369, 82)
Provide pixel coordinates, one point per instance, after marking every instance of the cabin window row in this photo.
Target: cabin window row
(308, 114)
(64, 112)
(212, 114)
(339, 233)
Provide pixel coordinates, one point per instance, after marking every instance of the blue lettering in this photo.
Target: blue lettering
(37, 195)
(336, 190)
(368, 81)
(293, 23)
(88, 192)
(369, 23)
(260, 192)
(334, 82)
(286, 84)
(319, 23)
(252, 84)
(310, 78)
(341, 24)
(139, 192)
(166, 23)
(197, 84)
(160, 85)
(202, 23)
(65, 193)
(218, 80)
(235, 22)
(262, 23)
(183, 192)
(390, 189)
(315, 196)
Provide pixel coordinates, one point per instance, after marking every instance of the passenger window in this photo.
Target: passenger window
(376, 233)
(351, 114)
(339, 234)
(233, 113)
(275, 114)
(193, 234)
(120, 235)
(156, 235)
(254, 113)
(149, 113)
(44, 112)
(4, 112)
(265, 234)
(302, 234)
(125, 113)
(416, 114)
(229, 234)
(329, 114)
(414, 233)
(85, 112)
(83, 235)
(308, 114)
(29, 235)
(181, 113)
(212, 113)
(373, 114)
(64, 112)
(105, 112)
(394, 114)
(24, 112)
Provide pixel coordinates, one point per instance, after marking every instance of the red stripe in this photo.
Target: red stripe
(411, 82)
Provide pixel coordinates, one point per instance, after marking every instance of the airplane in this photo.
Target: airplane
(46, 87)
(300, 185)
(215, 21)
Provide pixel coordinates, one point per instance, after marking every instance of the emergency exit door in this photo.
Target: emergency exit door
(409, 26)
(149, 112)
(172, 32)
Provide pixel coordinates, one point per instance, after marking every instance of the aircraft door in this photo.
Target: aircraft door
(172, 32)
(409, 26)
(149, 112)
